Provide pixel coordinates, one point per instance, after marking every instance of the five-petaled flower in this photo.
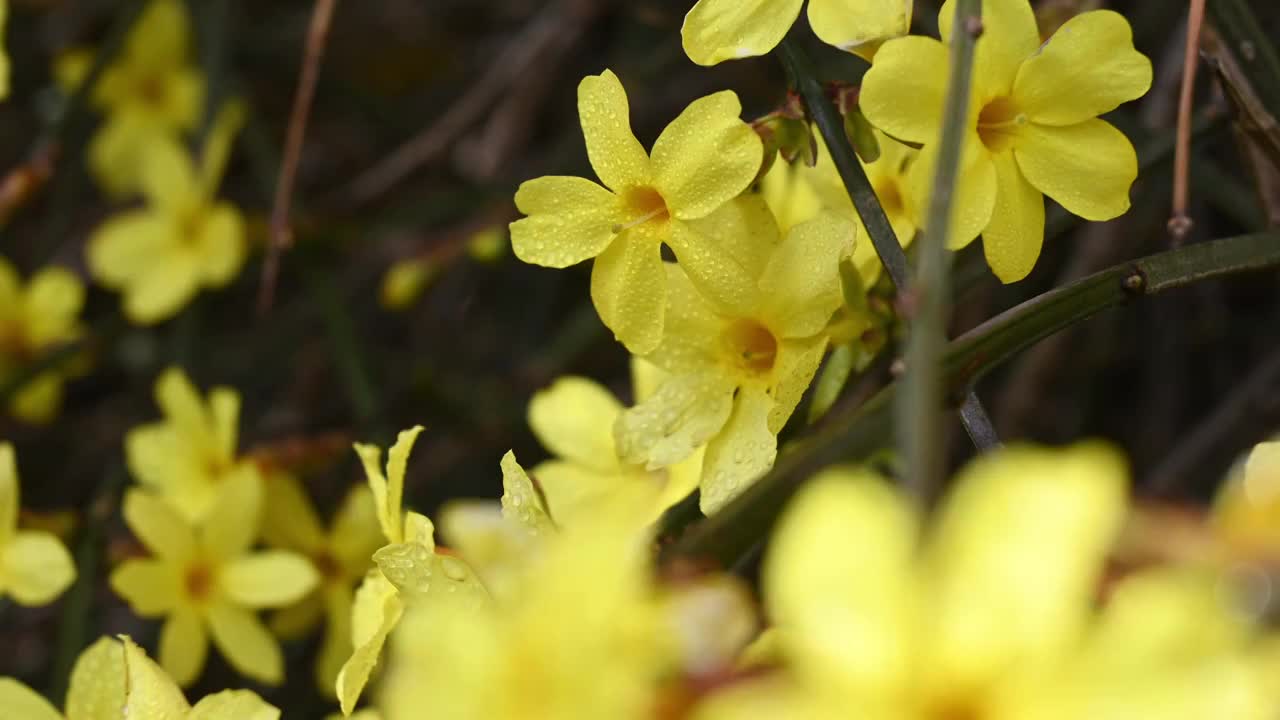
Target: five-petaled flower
(1033, 126)
(679, 195)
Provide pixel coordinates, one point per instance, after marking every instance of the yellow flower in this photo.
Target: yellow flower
(204, 580)
(184, 239)
(191, 454)
(341, 555)
(34, 567)
(1246, 511)
(736, 374)
(680, 195)
(994, 614)
(1033, 127)
(719, 30)
(150, 91)
(574, 420)
(32, 320)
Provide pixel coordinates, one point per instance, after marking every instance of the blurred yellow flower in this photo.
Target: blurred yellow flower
(679, 196)
(1246, 511)
(152, 695)
(34, 567)
(183, 239)
(203, 578)
(149, 91)
(719, 30)
(405, 281)
(1033, 127)
(342, 555)
(189, 455)
(736, 374)
(995, 614)
(33, 320)
(96, 690)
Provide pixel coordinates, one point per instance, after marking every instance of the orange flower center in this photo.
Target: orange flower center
(752, 346)
(891, 198)
(644, 205)
(998, 124)
(327, 565)
(199, 581)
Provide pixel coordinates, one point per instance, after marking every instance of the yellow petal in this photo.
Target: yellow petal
(122, 247)
(149, 692)
(740, 453)
(35, 568)
(19, 701)
(374, 614)
(521, 501)
(292, 622)
(801, 285)
(743, 230)
(717, 274)
(184, 645)
(169, 177)
(221, 244)
(116, 149)
(616, 155)
(706, 157)
(270, 578)
(158, 526)
(151, 587)
(1009, 36)
(9, 493)
(690, 320)
(218, 145)
(845, 618)
(569, 220)
(38, 402)
(397, 464)
(572, 489)
(246, 643)
(1087, 168)
(572, 419)
(719, 30)
(1246, 507)
(629, 290)
(913, 67)
(1038, 520)
(686, 411)
(233, 521)
(336, 646)
(1012, 240)
(797, 363)
(975, 190)
(54, 299)
(355, 534)
(161, 36)
(97, 685)
(290, 520)
(233, 705)
(163, 288)
(768, 698)
(856, 25)
(1089, 67)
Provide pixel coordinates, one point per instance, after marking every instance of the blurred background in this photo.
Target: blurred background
(427, 116)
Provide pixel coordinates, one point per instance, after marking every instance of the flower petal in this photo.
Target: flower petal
(9, 493)
(19, 701)
(147, 686)
(163, 288)
(158, 526)
(801, 285)
(1010, 35)
(521, 501)
(35, 568)
(184, 645)
(1087, 168)
(687, 410)
(374, 614)
(220, 242)
(354, 534)
(296, 620)
(742, 230)
(569, 220)
(54, 298)
(271, 578)
(169, 178)
(913, 67)
(628, 287)
(844, 618)
(616, 155)
(1012, 240)
(859, 25)
(233, 705)
(120, 249)
(97, 685)
(246, 643)
(336, 646)
(719, 30)
(975, 191)
(1041, 521)
(1089, 67)
(572, 419)
(151, 587)
(690, 320)
(797, 363)
(290, 520)
(740, 453)
(572, 489)
(706, 157)
(717, 274)
(232, 523)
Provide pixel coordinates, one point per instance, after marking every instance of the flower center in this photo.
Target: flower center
(13, 341)
(890, 198)
(752, 346)
(199, 581)
(327, 565)
(998, 124)
(644, 204)
(152, 90)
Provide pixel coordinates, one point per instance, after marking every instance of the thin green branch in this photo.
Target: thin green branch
(728, 535)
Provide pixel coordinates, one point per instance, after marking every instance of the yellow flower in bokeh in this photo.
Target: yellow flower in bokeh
(1033, 127)
(1246, 510)
(719, 30)
(34, 567)
(151, 90)
(737, 374)
(680, 195)
(994, 614)
(573, 419)
(34, 320)
(96, 689)
(204, 579)
(191, 454)
(342, 555)
(183, 239)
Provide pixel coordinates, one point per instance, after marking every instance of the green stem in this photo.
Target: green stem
(729, 534)
(919, 418)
